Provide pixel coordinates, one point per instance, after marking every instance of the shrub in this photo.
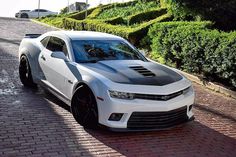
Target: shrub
(127, 9)
(81, 15)
(134, 35)
(116, 21)
(141, 31)
(193, 47)
(222, 12)
(95, 13)
(146, 16)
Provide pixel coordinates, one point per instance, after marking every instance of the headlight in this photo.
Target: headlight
(121, 95)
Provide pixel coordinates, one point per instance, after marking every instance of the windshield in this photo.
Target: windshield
(97, 50)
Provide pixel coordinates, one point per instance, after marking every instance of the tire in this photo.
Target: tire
(84, 107)
(24, 15)
(25, 73)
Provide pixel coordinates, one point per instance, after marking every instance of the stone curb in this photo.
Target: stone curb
(209, 85)
(44, 24)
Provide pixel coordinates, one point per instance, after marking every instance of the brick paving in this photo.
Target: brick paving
(34, 123)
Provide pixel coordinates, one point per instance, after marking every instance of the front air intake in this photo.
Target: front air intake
(143, 71)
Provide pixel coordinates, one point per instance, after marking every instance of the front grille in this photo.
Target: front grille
(158, 97)
(143, 71)
(157, 120)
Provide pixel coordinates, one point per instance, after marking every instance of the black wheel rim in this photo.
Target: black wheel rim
(24, 68)
(85, 108)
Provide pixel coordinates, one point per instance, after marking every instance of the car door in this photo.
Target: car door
(33, 13)
(44, 12)
(54, 68)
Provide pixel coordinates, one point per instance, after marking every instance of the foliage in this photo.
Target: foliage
(64, 10)
(81, 15)
(118, 9)
(53, 21)
(192, 46)
(132, 34)
(116, 21)
(222, 12)
(146, 15)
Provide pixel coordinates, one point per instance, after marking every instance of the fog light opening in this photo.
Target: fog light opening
(115, 116)
(190, 107)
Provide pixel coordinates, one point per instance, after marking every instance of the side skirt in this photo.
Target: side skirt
(55, 92)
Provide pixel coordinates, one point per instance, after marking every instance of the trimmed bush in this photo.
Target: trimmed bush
(222, 12)
(81, 15)
(193, 47)
(116, 21)
(141, 31)
(127, 9)
(95, 13)
(95, 25)
(134, 35)
(146, 16)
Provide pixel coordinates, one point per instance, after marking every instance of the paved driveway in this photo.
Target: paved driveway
(33, 123)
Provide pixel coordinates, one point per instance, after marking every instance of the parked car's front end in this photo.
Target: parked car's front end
(137, 95)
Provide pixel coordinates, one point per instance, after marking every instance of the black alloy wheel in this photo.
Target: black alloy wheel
(25, 73)
(84, 107)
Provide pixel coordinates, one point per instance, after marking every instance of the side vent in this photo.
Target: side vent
(143, 71)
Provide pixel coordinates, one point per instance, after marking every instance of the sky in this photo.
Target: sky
(8, 8)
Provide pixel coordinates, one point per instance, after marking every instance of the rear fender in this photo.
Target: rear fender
(31, 51)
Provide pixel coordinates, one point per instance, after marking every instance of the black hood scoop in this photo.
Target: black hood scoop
(135, 72)
(143, 71)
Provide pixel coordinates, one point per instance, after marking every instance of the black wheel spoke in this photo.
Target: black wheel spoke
(84, 108)
(25, 73)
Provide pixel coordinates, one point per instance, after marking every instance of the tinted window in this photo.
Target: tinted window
(42, 10)
(44, 41)
(96, 50)
(57, 44)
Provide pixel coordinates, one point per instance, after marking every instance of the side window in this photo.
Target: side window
(42, 10)
(44, 41)
(57, 44)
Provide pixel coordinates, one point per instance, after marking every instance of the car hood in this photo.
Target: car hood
(135, 72)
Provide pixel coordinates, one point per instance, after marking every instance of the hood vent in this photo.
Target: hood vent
(143, 71)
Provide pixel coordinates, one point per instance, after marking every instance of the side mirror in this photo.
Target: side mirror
(59, 55)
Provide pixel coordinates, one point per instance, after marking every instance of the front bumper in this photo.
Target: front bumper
(17, 15)
(128, 107)
(146, 129)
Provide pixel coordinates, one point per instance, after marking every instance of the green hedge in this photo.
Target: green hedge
(95, 25)
(116, 21)
(222, 12)
(141, 31)
(146, 16)
(194, 47)
(126, 9)
(134, 35)
(81, 15)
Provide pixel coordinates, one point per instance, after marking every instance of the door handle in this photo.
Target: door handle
(43, 57)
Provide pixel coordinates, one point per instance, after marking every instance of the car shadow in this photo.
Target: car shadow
(192, 139)
(34, 122)
(15, 42)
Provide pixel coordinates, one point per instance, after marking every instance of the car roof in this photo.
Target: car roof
(87, 35)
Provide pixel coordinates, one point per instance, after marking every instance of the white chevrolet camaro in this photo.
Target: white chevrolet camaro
(106, 81)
